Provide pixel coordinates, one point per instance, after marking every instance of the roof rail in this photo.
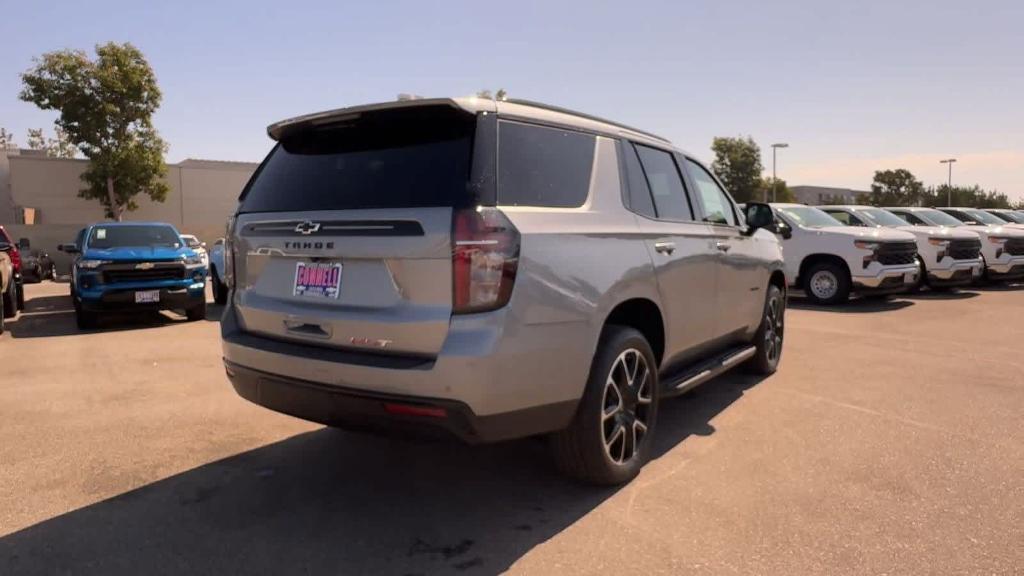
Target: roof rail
(552, 108)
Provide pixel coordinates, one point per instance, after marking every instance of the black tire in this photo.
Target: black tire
(86, 320)
(196, 312)
(585, 449)
(20, 290)
(922, 277)
(770, 334)
(10, 299)
(827, 272)
(220, 291)
(2, 316)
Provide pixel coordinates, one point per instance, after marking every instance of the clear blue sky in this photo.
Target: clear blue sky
(852, 86)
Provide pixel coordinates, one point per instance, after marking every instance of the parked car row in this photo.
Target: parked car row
(834, 251)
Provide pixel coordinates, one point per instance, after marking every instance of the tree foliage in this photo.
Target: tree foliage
(775, 191)
(60, 146)
(894, 188)
(106, 107)
(738, 165)
(973, 196)
(501, 94)
(7, 140)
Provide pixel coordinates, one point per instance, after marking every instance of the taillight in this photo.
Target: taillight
(15, 259)
(485, 256)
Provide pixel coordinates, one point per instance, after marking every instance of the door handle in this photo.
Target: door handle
(723, 246)
(665, 247)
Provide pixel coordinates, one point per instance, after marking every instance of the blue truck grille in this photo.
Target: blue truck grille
(117, 273)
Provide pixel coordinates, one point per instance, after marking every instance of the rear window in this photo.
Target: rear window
(404, 158)
(540, 166)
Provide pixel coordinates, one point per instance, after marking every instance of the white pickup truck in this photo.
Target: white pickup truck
(829, 260)
(1002, 244)
(947, 256)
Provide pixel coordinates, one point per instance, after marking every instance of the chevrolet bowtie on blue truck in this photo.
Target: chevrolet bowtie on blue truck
(134, 266)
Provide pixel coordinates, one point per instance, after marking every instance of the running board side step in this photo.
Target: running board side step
(701, 373)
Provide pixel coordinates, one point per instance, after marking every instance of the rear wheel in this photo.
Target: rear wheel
(827, 283)
(2, 315)
(10, 299)
(220, 291)
(610, 437)
(196, 312)
(768, 339)
(20, 290)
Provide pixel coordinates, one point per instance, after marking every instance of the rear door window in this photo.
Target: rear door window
(404, 158)
(666, 184)
(541, 166)
(840, 215)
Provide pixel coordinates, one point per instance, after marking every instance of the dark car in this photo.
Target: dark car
(36, 265)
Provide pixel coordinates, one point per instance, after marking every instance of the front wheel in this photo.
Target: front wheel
(220, 291)
(196, 312)
(827, 283)
(768, 339)
(610, 436)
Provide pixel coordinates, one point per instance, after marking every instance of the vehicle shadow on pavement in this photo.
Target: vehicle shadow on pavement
(999, 287)
(47, 316)
(332, 502)
(943, 295)
(860, 305)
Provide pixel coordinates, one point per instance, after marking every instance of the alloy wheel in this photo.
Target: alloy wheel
(773, 329)
(626, 406)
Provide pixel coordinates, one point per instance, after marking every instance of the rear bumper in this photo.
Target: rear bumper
(379, 412)
(492, 385)
(887, 281)
(117, 299)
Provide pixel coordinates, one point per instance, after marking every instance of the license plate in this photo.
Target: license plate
(147, 296)
(322, 279)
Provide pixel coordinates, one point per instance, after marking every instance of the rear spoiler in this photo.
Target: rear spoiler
(280, 129)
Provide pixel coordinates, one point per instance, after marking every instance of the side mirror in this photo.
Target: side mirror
(24, 244)
(69, 248)
(759, 215)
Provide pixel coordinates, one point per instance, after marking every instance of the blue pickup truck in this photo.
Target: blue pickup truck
(134, 266)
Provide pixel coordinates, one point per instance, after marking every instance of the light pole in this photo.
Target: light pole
(775, 180)
(949, 182)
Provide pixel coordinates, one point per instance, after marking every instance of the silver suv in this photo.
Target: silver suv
(495, 270)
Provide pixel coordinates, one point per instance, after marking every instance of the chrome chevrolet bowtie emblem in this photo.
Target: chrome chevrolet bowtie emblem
(306, 228)
(144, 266)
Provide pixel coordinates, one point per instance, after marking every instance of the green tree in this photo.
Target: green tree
(106, 108)
(58, 147)
(7, 140)
(738, 165)
(775, 192)
(894, 188)
(973, 196)
(501, 94)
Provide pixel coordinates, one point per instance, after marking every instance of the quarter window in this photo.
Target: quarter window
(640, 200)
(717, 206)
(540, 166)
(665, 183)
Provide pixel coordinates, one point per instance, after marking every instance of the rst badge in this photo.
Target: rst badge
(321, 279)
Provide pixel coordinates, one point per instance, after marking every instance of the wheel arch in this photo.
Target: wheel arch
(645, 316)
(813, 259)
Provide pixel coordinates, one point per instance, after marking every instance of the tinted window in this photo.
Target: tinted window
(399, 158)
(909, 217)
(540, 166)
(717, 207)
(809, 217)
(666, 184)
(882, 217)
(839, 215)
(639, 194)
(132, 235)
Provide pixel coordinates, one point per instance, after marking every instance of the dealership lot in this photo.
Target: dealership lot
(890, 441)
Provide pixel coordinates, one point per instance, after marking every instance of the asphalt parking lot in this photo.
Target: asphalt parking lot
(890, 442)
